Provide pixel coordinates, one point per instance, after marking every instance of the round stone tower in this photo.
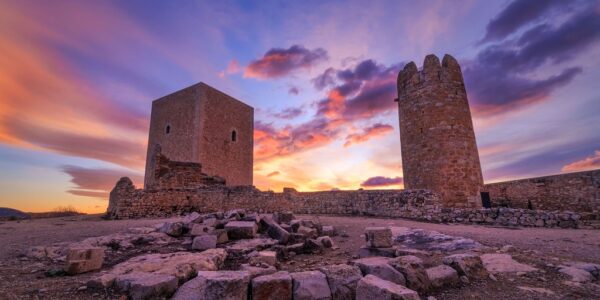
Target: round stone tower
(439, 151)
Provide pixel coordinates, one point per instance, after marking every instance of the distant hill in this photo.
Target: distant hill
(10, 213)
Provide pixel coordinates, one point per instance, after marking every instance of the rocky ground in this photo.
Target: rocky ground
(436, 260)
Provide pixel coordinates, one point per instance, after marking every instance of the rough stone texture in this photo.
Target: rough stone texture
(277, 286)
(342, 280)
(141, 285)
(578, 192)
(504, 263)
(414, 272)
(326, 241)
(371, 287)
(204, 242)
(379, 266)
(81, 260)
(577, 275)
(257, 271)
(277, 232)
(201, 121)
(466, 264)
(200, 229)
(430, 240)
(265, 257)
(310, 285)
(241, 230)
(441, 276)
(439, 151)
(173, 229)
(225, 285)
(378, 237)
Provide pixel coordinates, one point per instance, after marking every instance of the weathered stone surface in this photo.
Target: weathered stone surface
(372, 287)
(173, 229)
(200, 229)
(307, 232)
(141, 285)
(265, 257)
(193, 217)
(283, 217)
(594, 269)
(371, 252)
(577, 275)
(441, 276)
(221, 235)
(277, 286)
(328, 231)
(504, 263)
(246, 246)
(255, 271)
(378, 237)
(277, 232)
(379, 266)
(204, 242)
(414, 272)
(466, 264)
(226, 285)
(428, 240)
(81, 260)
(342, 280)
(326, 241)
(312, 246)
(241, 230)
(310, 285)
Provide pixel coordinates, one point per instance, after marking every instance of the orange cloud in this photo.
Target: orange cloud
(368, 133)
(96, 183)
(279, 62)
(588, 163)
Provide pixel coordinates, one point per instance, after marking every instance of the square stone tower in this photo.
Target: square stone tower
(439, 151)
(200, 124)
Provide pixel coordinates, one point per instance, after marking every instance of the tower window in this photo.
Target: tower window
(168, 129)
(233, 135)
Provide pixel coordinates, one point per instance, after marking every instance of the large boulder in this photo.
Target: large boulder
(277, 286)
(277, 232)
(441, 276)
(204, 242)
(241, 230)
(174, 229)
(342, 280)
(378, 237)
(414, 272)
(372, 287)
(466, 264)
(310, 285)
(577, 275)
(81, 260)
(379, 266)
(224, 285)
(200, 229)
(142, 285)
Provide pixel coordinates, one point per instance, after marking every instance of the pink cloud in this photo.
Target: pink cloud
(279, 62)
(379, 181)
(588, 163)
(368, 133)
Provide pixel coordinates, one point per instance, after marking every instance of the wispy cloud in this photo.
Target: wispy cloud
(379, 181)
(368, 133)
(96, 183)
(279, 62)
(588, 163)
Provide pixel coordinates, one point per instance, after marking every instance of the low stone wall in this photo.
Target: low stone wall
(128, 202)
(579, 192)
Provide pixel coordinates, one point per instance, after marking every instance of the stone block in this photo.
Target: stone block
(414, 272)
(466, 264)
(223, 285)
(310, 285)
(277, 286)
(277, 232)
(221, 235)
(204, 242)
(142, 285)
(307, 232)
(442, 275)
(379, 266)
(264, 257)
(200, 229)
(241, 230)
(342, 280)
(312, 246)
(255, 271)
(81, 260)
(372, 287)
(372, 252)
(283, 217)
(328, 230)
(326, 241)
(378, 237)
(174, 229)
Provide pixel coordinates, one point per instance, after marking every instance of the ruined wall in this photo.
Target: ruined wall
(574, 191)
(439, 151)
(195, 125)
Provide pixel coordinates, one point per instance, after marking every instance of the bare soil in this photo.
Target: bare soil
(22, 278)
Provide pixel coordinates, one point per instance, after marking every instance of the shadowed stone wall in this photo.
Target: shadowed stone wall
(439, 152)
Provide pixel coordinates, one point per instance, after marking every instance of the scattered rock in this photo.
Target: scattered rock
(283, 217)
(142, 285)
(414, 272)
(200, 229)
(594, 269)
(371, 287)
(224, 285)
(241, 230)
(371, 252)
(194, 217)
(538, 290)
(504, 263)
(277, 232)
(277, 286)
(441, 276)
(326, 241)
(204, 242)
(307, 232)
(81, 260)
(421, 239)
(265, 257)
(255, 271)
(378, 237)
(328, 230)
(310, 285)
(173, 229)
(466, 264)
(577, 275)
(221, 235)
(342, 280)
(379, 267)
(246, 246)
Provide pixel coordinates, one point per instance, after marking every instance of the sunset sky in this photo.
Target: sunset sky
(77, 79)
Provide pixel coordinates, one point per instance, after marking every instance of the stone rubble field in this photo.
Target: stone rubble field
(244, 255)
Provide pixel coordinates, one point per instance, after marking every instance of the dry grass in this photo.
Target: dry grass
(60, 211)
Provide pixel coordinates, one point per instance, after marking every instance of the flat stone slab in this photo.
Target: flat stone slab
(466, 264)
(504, 263)
(372, 287)
(224, 285)
(342, 280)
(310, 285)
(441, 276)
(427, 240)
(142, 285)
(81, 260)
(257, 271)
(241, 229)
(276, 286)
(380, 267)
(204, 242)
(378, 237)
(247, 246)
(577, 275)
(414, 272)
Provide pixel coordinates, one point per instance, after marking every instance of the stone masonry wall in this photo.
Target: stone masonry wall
(128, 202)
(439, 151)
(574, 191)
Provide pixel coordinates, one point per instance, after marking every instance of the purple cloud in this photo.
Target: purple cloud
(279, 62)
(96, 183)
(381, 181)
(294, 90)
(289, 113)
